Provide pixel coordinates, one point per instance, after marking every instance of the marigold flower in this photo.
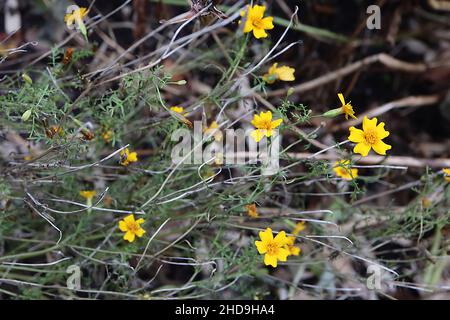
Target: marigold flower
(177, 109)
(299, 227)
(346, 108)
(446, 174)
(251, 210)
(214, 131)
(107, 135)
(264, 125)
(283, 73)
(342, 169)
(75, 16)
(126, 157)
(370, 137)
(256, 22)
(293, 250)
(273, 248)
(131, 227)
(88, 194)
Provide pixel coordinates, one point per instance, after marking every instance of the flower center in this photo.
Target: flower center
(272, 248)
(266, 125)
(370, 136)
(347, 109)
(133, 227)
(258, 23)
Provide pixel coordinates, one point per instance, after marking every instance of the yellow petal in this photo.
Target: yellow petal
(281, 238)
(256, 122)
(268, 23)
(129, 236)
(294, 251)
(270, 260)
(266, 116)
(123, 226)
(356, 135)
(261, 247)
(248, 27)
(341, 98)
(369, 124)
(259, 33)
(290, 240)
(276, 123)
(140, 221)
(282, 254)
(362, 148)
(258, 11)
(286, 73)
(140, 232)
(258, 134)
(380, 147)
(266, 235)
(381, 133)
(132, 157)
(129, 219)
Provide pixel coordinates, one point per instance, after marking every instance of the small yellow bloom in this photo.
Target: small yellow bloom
(213, 130)
(126, 157)
(370, 137)
(256, 22)
(75, 16)
(446, 174)
(273, 248)
(88, 194)
(251, 210)
(299, 227)
(131, 227)
(342, 169)
(107, 136)
(283, 73)
(177, 109)
(293, 250)
(346, 107)
(264, 125)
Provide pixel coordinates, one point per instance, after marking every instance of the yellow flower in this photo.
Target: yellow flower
(299, 227)
(251, 210)
(283, 73)
(177, 109)
(342, 169)
(107, 135)
(256, 22)
(370, 137)
(88, 194)
(446, 174)
(346, 108)
(131, 227)
(273, 248)
(264, 125)
(293, 250)
(214, 131)
(126, 157)
(75, 16)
